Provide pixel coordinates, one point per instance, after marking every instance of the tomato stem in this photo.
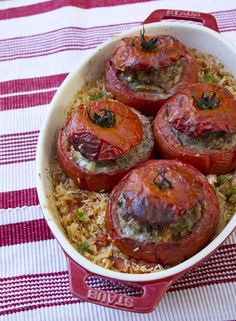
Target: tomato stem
(161, 181)
(147, 45)
(107, 119)
(206, 101)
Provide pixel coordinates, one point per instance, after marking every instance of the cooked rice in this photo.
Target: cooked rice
(212, 71)
(82, 213)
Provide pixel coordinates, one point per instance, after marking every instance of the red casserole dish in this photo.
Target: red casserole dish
(154, 285)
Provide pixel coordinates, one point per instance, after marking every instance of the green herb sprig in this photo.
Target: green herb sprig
(222, 180)
(210, 78)
(230, 192)
(84, 247)
(80, 215)
(98, 96)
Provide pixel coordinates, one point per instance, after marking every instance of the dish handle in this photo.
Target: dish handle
(151, 294)
(206, 19)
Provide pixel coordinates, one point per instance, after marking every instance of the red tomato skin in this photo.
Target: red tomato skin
(147, 103)
(129, 54)
(98, 143)
(90, 181)
(185, 116)
(217, 162)
(170, 252)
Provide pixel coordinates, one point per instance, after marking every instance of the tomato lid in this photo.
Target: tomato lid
(104, 130)
(130, 55)
(159, 192)
(202, 108)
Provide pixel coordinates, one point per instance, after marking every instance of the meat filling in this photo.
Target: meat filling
(135, 156)
(155, 80)
(207, 141)
(129, 227)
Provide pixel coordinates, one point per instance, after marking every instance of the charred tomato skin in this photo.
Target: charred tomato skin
(96, 142)
(91, 181)
(169, 252)
(207, 161)
(148, 102)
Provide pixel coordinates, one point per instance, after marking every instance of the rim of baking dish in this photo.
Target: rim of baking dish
(43, 178)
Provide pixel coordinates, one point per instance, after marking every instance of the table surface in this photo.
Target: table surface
(40, 43)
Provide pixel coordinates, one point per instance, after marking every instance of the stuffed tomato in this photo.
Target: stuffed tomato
(145, 71)
(163, 211)
(198, 126)
(101, 141)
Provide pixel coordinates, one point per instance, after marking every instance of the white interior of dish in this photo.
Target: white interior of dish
(193, 36)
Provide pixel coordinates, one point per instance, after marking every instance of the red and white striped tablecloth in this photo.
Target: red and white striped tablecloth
(40, 43)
